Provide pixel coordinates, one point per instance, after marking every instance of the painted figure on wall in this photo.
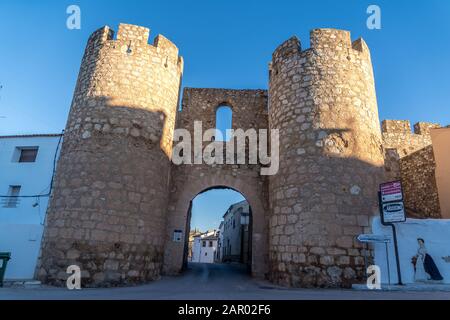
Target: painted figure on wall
(424, 266)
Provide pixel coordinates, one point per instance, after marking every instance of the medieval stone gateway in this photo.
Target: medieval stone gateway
(117, 197)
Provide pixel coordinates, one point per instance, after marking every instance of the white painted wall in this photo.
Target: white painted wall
(23, 241)
(196, 249)
(203, 254)
(21, 227)
(435, 232)
(232, 233)
(219, 253)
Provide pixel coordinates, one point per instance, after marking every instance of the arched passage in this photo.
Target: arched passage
(179, 218)
(219, 228)
(249, 111)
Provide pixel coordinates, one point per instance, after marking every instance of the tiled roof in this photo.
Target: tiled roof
(32, 135)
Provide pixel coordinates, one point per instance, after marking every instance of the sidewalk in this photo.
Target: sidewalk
(407, 287)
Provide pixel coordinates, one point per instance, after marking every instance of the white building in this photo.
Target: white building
(27, 164)
(219, 251)
(235, 236)
(204, 247)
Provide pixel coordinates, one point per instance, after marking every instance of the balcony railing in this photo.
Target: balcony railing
(12, 202)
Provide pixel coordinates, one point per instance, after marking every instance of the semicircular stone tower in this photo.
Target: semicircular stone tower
(107, 211)
(323, 102)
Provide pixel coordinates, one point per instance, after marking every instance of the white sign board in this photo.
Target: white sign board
(177, 235)
(393, 212)
(391, 202)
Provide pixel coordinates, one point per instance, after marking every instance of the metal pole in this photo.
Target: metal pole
(365, 258)
(397, 260)
(399, 275)
(387, 261)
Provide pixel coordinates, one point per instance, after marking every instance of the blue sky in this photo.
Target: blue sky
(225, 43)
(209, 207)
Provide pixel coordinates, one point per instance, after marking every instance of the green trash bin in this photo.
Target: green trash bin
(4, 258)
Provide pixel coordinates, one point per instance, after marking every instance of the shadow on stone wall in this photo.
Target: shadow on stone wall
(108, 206)
(419, 184)
(329, 201)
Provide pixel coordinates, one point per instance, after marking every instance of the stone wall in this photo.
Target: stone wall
(323, 102)
(107, 213)
(419, 183)
(409, 158)
(118, 199)
(249, 112)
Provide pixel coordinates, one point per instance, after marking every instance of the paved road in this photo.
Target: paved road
(210, 281)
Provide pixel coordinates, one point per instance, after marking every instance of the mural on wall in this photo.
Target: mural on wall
(424, 267)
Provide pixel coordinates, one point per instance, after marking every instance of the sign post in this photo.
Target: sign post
(374, 238)
(392, 210)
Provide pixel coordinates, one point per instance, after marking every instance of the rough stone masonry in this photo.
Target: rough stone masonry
(117, 197)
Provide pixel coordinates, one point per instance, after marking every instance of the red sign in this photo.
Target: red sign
(391, 191)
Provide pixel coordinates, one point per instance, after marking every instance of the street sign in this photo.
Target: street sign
(391, 202)
(393, 212)
(391, 191)
(370, 238)
(177, 235)
(376, 238)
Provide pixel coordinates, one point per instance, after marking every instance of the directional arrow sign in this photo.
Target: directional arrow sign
(373, 238)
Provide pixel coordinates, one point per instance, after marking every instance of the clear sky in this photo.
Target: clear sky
(209, 207)
(226, 44)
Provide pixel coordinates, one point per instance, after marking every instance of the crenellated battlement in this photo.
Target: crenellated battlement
(288, 48)
(404, 127)
(424, 128)
(322, 40)
(130, 37)
(361, 46)
(329, 38)
(396, 126)
(130, 32)
(101, 35)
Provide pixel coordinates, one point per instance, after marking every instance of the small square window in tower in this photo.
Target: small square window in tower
(28, 154)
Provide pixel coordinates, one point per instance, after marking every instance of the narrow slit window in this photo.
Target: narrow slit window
(224, 117)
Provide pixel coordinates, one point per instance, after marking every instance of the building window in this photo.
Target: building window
(206, 253)
(224, 116)
(204, 244)
(27, 154)
(234, 223)
(210, 243)
(13, 201)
